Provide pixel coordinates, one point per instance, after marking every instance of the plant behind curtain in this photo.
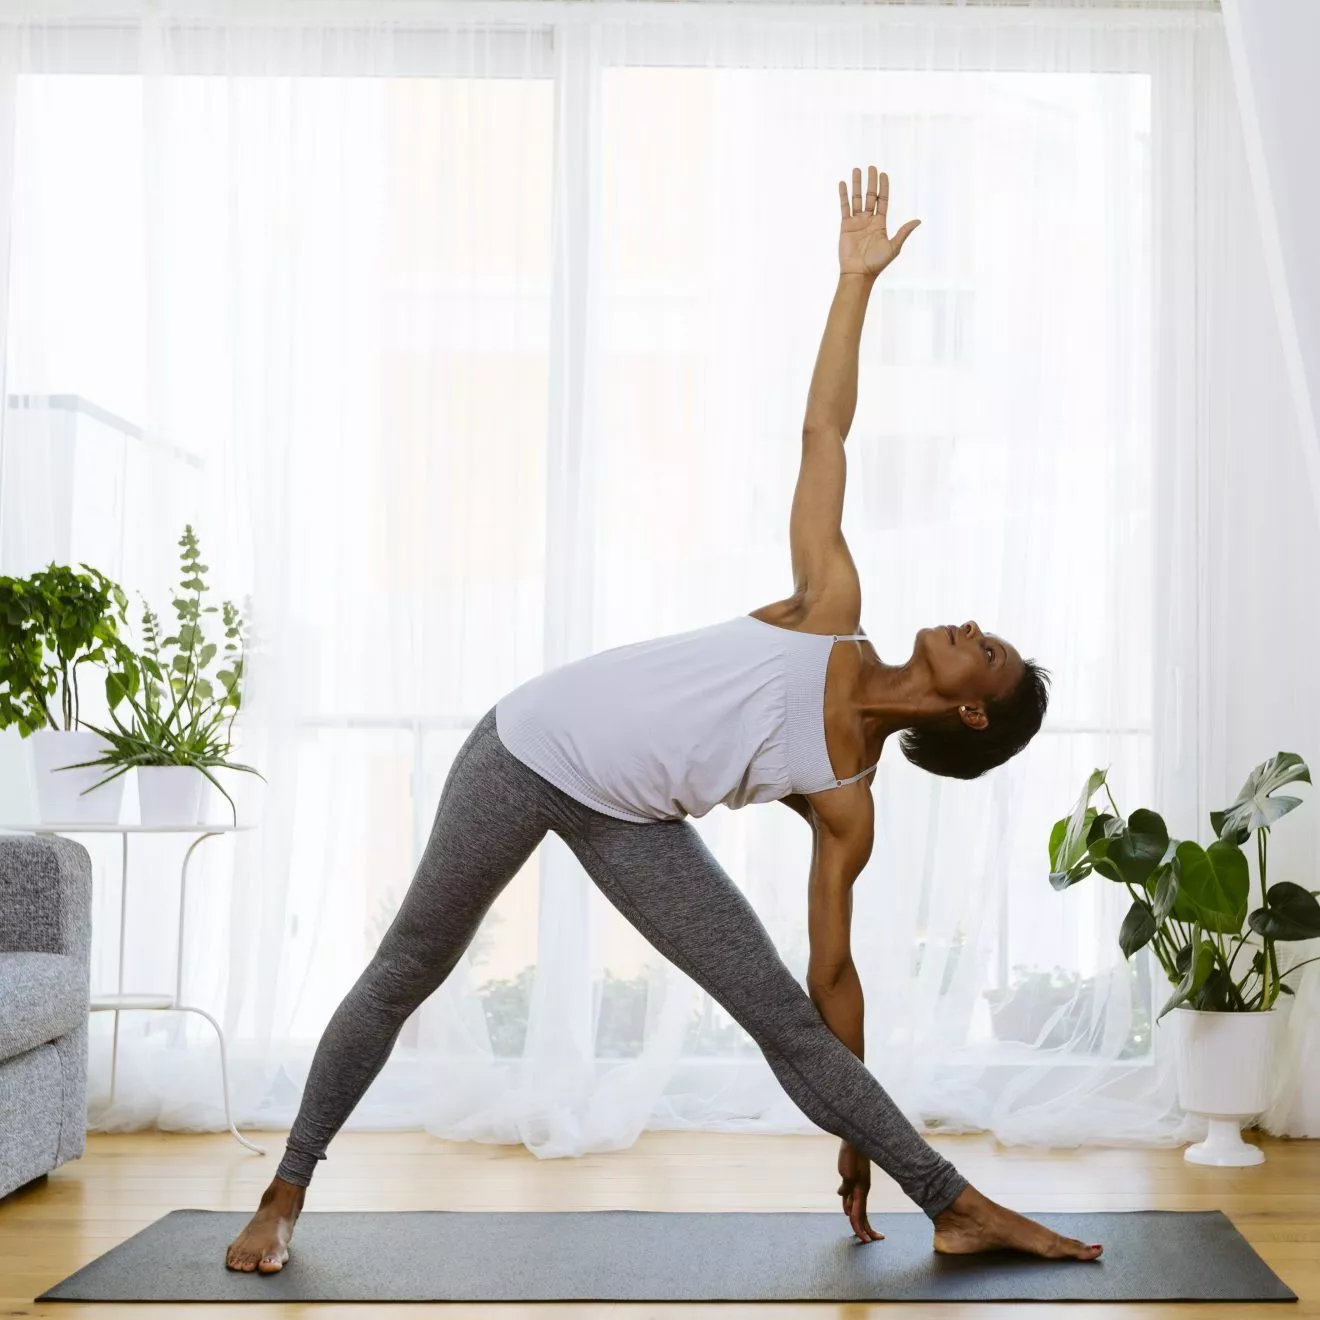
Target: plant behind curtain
(472, 347)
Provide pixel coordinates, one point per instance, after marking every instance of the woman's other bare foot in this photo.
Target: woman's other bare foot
(264, 1244)
(975, 1223)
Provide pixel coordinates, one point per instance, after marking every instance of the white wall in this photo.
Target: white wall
(1259, 536)
(1273, 45)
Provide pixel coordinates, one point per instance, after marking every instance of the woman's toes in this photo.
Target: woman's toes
(1081, 1250)
(270, 1264)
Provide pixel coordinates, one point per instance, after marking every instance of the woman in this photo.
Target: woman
(613, 751)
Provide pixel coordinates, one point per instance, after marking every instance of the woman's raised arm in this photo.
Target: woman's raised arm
(816, 541)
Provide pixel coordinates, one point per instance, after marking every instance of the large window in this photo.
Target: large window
(421, 351)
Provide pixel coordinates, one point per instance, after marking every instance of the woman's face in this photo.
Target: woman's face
(968, 666)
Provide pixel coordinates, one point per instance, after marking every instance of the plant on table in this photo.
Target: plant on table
(51, 624)
(184, 690)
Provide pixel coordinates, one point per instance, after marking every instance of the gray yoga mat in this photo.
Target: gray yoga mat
(646, 1256)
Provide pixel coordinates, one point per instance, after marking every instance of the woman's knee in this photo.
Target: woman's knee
(397, 983)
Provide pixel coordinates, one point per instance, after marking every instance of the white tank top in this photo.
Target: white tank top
(665, 728)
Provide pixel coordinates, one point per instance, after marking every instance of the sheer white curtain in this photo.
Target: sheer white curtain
(476, 338)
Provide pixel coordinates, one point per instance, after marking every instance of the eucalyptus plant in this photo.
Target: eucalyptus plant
(183, 706)
(1190, 904)
(52, 623)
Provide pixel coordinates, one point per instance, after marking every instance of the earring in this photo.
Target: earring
(963, 709)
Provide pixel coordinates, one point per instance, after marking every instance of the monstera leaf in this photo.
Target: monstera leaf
(1103, 827)
(1219, 994)
(1163, 884)
(1063, 879)
(1098, 852)
(1212, 886)
(1064, 858)
(1137, 930)
(1068, 838)
(1291, 913)
(1196, 961)
(1255, 808)
(1131, 849)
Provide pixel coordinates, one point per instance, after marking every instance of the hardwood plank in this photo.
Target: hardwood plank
(127, 1180)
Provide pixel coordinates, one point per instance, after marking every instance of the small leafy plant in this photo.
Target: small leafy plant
(183, 711)
(1189, 903)
(51, 624)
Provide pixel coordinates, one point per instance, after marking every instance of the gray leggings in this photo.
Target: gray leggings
(493, 812)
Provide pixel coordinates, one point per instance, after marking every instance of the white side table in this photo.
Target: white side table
(162, 1000)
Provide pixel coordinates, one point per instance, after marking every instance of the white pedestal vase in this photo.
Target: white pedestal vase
(169, 794)
(1225, 1064)
(60, 796)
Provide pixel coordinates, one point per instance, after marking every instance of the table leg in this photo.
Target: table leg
(224, 1075)
(183, 1008)
(123, 914)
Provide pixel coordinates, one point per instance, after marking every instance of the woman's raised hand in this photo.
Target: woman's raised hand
(865, 247)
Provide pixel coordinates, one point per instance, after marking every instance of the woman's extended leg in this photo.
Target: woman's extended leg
(668, 884)
(493, 812)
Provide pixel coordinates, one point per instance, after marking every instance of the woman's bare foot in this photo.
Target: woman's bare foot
(264, 1244)
(975, 1223)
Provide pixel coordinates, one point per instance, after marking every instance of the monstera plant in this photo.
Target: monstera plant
(1192, 904)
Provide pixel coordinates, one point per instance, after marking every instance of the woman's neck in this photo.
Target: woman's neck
(890, 698)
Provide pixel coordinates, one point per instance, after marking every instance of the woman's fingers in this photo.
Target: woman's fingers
(854, 1206)
(876, 200)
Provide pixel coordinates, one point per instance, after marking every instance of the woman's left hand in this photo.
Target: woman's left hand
(855, 1183)
(865, 247)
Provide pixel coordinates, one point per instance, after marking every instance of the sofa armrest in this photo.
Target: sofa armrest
(45, 896)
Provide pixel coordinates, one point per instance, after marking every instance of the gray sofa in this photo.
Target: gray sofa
(45, 963)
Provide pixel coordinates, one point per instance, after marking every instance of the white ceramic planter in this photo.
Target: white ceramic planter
(1225, 1064)
(60, 796)
(169, 794)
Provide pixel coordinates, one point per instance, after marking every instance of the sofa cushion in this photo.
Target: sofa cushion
(31, 1114)
(42, 996)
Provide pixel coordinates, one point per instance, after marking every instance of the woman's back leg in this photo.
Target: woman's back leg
(487, 824)
(493, 812)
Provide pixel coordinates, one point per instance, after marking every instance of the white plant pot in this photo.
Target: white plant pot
(1225, 1065)
(60, 796)
(169, 794)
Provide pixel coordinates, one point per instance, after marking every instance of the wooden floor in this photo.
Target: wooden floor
(125, 1182)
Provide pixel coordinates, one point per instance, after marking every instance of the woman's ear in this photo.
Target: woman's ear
(973, 716)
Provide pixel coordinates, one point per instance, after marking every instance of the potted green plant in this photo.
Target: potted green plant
(184, 707)
(51, 624)
(1190, 908)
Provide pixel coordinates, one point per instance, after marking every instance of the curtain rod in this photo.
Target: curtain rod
(314, 13)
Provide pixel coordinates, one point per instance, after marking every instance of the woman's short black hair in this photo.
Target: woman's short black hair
(947, 746)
